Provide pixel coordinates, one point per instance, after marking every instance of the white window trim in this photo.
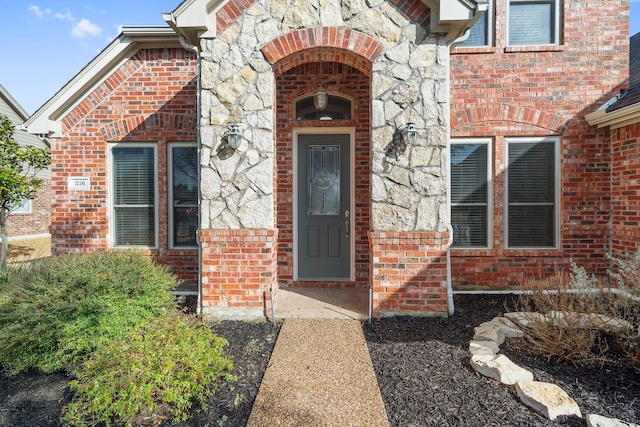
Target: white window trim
(170, 196)
(490, 14)
(556, 29)
(25, 209)
(556, 201)
(489, 143)
(112, 228)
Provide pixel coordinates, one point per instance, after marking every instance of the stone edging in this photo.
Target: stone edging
(545, 398)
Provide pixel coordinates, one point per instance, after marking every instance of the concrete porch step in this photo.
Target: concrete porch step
(322, 303)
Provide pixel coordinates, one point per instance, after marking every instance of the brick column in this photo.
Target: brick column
(409, 273)
(238, 268)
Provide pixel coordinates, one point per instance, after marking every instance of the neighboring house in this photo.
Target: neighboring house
(32, 219)
(620, 119)
(252, 145)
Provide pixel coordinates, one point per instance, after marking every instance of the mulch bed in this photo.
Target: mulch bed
(423, 370)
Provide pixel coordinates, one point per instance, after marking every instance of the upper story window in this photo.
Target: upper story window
(338, 108)
(471, 193)
(532, 199)
(134, 203)
(534, 22)
(482, 30)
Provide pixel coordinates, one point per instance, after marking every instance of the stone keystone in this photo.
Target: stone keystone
(501, 369)
(548, 399)
(600, 421)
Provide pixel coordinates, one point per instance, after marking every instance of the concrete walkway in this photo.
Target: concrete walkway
(320, 374)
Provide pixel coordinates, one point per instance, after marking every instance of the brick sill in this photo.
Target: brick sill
(541, 48)
(473, 50)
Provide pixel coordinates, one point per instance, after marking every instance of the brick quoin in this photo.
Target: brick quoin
(501, 91)
(139, 102)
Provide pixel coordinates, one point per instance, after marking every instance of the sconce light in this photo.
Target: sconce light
(234, 136)
(403, 136)
(410, 133)
(320, 99)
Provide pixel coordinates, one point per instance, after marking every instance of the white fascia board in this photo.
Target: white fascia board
(193, 18)
(615, 119)
(46, 121)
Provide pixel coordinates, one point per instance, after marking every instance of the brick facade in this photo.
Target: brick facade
(150, 98)
(503, 91)
(625, 196)
(35, 222)
(304, 80)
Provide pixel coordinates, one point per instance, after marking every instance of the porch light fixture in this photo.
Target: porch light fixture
(234, 135)
(410, 133)
(320, 99)
(403, 136)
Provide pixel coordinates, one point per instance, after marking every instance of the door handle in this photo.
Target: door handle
(346, 228)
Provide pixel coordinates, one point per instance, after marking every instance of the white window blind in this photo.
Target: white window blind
(532, 22)
(134, 197)
(531, 192)
(469, 194)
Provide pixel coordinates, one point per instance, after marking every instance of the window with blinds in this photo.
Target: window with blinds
(480, 34)
(532, 194)
(533, 22)
(470, 179)
(134, 195)
(183, 197)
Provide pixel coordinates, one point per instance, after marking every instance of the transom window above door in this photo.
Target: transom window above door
(338, 108)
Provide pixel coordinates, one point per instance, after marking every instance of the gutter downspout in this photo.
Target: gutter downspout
(450, 45)
(196, 50)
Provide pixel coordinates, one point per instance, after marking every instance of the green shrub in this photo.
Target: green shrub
(58, 312)
(150, 374)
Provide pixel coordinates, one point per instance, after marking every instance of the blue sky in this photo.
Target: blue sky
(46, 42)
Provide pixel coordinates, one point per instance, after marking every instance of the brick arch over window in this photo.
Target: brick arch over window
(322, 44)
(518, 116)
(163, 122)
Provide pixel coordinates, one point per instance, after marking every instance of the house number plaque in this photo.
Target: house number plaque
(79, 184)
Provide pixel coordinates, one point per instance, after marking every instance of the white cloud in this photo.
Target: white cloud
(65, 16)
(85, 28)
(40, 13)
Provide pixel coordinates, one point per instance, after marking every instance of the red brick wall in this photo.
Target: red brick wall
(506, 91)
(625, 183)
(238, 267)
(150, 98)
(298, 81)
(35, 222)
(409, 273)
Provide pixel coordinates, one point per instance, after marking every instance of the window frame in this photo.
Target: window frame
(170, 191)
(25, 209)
(489, 225)
(490, 16)
(556, 22)
(557, 190)
(112, 206)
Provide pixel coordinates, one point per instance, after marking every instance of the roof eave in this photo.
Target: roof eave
(615, 119)
(46, 120)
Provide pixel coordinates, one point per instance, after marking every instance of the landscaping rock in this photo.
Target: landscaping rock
(507, 327)
(525, 318)
(600, 421)
(548, 399)
(488, 333)
(483, 348)
(501, 369)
